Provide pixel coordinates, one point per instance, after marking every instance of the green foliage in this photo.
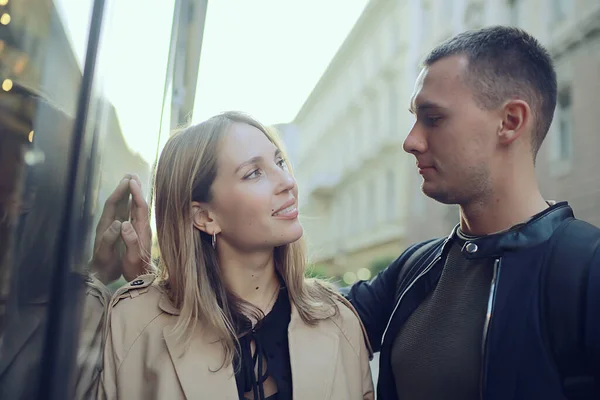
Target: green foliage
(113, 286)
(317, 271)
(379, 264)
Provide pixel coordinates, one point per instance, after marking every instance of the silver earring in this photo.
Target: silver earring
(214, 241)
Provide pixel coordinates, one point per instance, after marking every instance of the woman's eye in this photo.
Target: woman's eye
(253, 174)
(282, 164)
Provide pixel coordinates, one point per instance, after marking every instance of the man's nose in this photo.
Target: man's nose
(415, 141)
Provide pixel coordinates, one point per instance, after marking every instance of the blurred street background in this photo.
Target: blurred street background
(334, 77)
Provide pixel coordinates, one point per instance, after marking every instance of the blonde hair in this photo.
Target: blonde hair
(188, 265)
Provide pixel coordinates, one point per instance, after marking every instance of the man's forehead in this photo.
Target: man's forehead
(440, 82)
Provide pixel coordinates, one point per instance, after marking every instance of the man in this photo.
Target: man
(477, 315)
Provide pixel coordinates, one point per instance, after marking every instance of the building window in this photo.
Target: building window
(355, 215)
(371, 211)
(394, 35)
(474, 15)
(426, 17)
(447, 8)
(514, 16)
(390, 190)
(348, 222)
(565, 125)
(375, 56)
(338, 213)
(394, 108)
(375, 124)
(352, 145)
(560, 9)
(359, 126)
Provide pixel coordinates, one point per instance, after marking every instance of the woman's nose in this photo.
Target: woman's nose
(287, 181)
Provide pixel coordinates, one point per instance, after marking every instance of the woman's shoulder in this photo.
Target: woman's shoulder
(138, 303)
(348, 322)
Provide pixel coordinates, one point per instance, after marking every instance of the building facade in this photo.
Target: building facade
(350, 164)
(360, 193)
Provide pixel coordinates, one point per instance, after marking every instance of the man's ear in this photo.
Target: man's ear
(203, 219)
(516, 119)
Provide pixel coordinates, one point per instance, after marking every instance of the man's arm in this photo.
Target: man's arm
(593, 317)
(375, 300)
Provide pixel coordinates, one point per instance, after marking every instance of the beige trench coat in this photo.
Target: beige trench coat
(143, 360)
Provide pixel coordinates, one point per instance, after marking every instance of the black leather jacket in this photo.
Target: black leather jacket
(516, 362)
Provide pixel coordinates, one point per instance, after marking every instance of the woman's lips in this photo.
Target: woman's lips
(289, 212)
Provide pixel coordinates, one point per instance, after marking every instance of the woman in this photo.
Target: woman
(230, 315)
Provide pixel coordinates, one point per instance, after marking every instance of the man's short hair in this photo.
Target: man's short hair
(505, 63)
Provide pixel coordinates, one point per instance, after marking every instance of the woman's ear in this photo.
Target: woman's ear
(203, 219)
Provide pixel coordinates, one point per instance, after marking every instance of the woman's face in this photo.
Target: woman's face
(254, 196)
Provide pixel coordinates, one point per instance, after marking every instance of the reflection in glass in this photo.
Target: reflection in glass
(42, 57)
(40, 86)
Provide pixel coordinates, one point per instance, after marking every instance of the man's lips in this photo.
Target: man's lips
(423, 168)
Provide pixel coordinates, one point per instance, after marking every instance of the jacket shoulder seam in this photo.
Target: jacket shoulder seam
(342, 302)
(126, 353)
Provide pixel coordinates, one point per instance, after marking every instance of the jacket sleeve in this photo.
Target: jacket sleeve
(375, 300)
(107, 388)
(593, 317)
(91, 338)
(367, 377)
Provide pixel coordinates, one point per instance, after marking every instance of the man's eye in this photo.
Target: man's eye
(432, 121)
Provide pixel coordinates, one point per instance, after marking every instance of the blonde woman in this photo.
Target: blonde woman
(230, 314)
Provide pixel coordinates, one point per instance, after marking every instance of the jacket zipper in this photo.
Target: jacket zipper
(426, 270)
(488, 320)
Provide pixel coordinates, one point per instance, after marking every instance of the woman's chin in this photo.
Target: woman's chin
(292, 234)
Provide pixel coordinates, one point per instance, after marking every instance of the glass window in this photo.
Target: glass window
(83, 102)
(39, 99)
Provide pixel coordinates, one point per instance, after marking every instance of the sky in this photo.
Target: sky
(263, 57)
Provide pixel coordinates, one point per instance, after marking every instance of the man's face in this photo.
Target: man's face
(452, 139)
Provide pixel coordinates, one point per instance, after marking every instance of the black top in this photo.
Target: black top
(270, 336)
(437, 353)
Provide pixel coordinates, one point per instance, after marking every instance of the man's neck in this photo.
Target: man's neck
(500, 212)
(251, 277)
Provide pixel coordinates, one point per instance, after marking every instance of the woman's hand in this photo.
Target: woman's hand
(123, 235)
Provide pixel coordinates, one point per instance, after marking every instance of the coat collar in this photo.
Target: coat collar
(531, 233)
(312, 371)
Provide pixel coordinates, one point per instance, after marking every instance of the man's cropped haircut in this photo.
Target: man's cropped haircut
(506, 63)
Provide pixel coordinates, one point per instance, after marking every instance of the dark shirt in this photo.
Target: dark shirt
(437, 353)
(270, 336)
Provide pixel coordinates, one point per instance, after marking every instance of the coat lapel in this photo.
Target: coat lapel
(195, 364)
(313, 357)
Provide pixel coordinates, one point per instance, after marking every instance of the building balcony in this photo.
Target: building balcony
(323, 184)
(391, 142)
